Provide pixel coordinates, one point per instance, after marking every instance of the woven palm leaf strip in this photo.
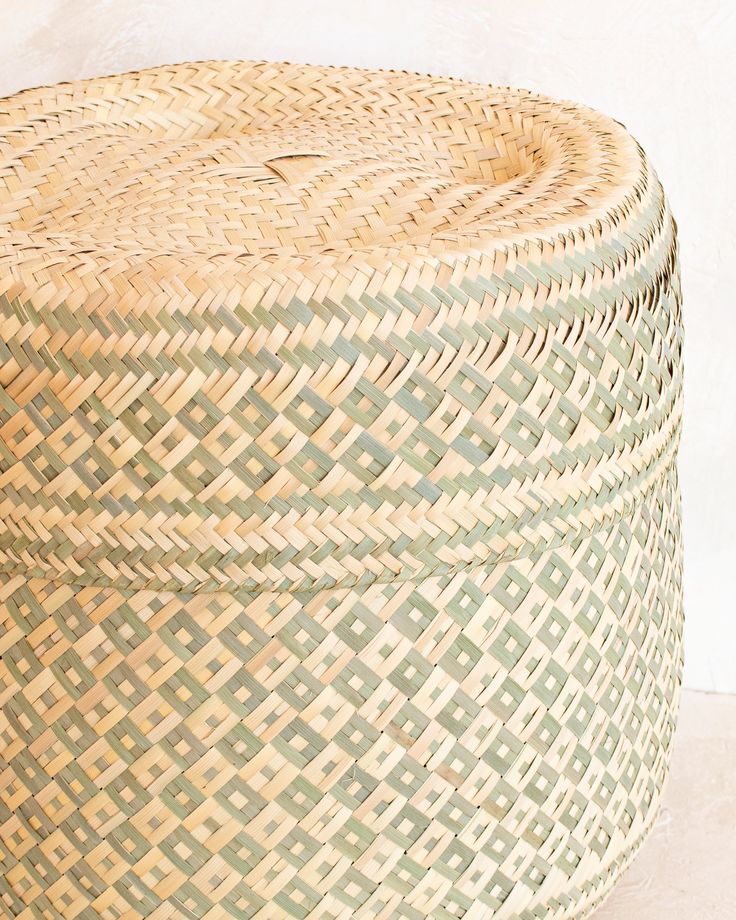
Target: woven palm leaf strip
(340, 548)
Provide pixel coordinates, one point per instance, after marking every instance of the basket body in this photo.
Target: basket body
(340, 553)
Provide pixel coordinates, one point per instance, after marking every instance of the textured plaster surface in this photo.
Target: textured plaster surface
(665, 68)
(686, 870)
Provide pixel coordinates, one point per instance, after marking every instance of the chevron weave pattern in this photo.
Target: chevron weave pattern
(340, 550)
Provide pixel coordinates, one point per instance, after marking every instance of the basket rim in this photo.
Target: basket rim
(24, 255)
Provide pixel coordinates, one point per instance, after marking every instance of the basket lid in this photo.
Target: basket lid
(282, 326)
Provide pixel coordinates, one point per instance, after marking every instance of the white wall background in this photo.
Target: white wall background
(663, 67)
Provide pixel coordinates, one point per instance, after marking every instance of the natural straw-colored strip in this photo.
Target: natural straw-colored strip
(340, 557)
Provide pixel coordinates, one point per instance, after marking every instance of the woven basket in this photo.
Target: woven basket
(340, 553)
